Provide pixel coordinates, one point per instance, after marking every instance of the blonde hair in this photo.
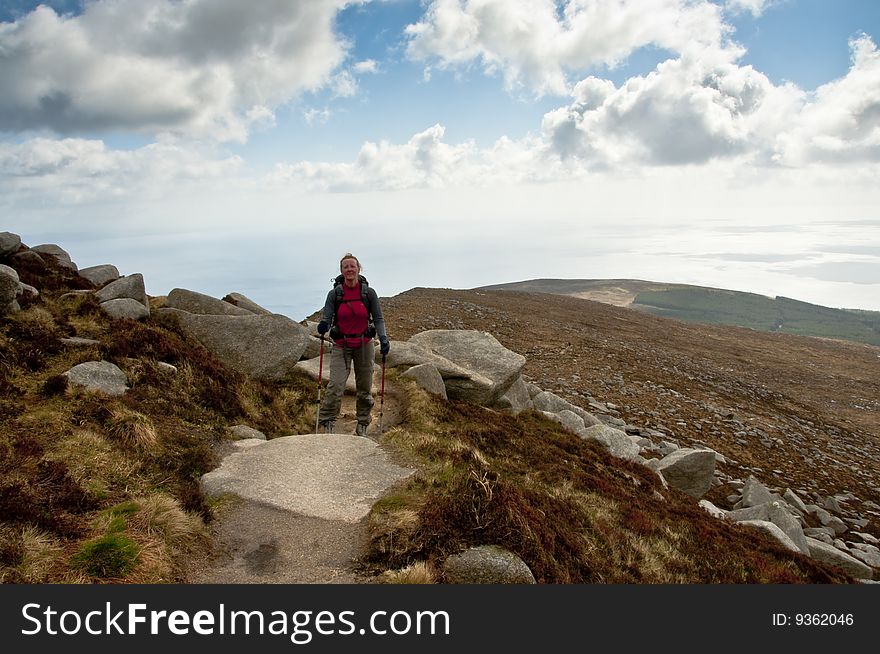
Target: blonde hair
(349, 255)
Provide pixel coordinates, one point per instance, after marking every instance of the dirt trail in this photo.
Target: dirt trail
(258, 544)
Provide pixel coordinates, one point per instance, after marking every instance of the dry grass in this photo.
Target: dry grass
(416, 573)
(569, 510)
(132, 429)
(94, 488)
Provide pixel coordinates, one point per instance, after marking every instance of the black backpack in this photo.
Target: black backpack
(338, 294)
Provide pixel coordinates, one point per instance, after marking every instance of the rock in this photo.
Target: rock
(479, 352)
(866, 553)
(243, 432)
(329, 476)
(9, 287)
(819, 533)
(313, 348)
(831, 504)
(100, 275)
(125, 307)
(193, 302)
(9, 243)
(309, 367)
(243, 302)
(835, 523)
(773, 531)
(755, 493)
(101, 376)
(166, 367)
(780, 516)
(460, 382)
(793, 500)
(568, 419)
(713, 510)
(131, 286)
(486, 564)
(77, 341)
(547, 401)
(265, 347)
(61, 255)
(28, 291)
(12, 272)
(833, 556)
(614, 440)
(689, 470)
(28, 257)
(428, 377)
(517, 398)
(759, 512)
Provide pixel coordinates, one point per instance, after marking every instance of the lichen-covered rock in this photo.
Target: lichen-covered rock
(487, 564)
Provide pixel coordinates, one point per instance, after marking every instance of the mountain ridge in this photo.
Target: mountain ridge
(711, 305)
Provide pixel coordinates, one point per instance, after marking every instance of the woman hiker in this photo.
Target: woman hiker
(353, 317)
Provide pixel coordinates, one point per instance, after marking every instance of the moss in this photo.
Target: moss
(110, 556)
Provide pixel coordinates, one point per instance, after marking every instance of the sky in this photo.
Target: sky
(224, 146)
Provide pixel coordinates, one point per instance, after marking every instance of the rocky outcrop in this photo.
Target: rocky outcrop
(615, 441)
(125, 307)
(479, 352)
(10, 288)
(689, 470)
(428, 377)
(130, 286)
(265, 347)
(9, 243)
(242, 302)
(100, 275)
(193, 302)
(834, 556)
(60, 255)
(547, 401)
(516, 399)
(460, 382)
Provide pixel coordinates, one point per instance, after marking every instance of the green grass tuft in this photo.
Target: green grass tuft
(110, 556)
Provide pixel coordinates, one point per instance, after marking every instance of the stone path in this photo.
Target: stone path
(300, 505)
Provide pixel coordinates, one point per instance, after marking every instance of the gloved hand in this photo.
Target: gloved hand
(384, 346)
(323, 327)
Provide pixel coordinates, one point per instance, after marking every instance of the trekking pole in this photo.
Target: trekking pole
(382, 396)
(320, 379)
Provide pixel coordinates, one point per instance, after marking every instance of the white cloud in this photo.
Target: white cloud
(689, 110)
(426, 161)
(79, 170)
(536, 43)
(317, 116)
(841, 123)
(344, 85)
(698, 107)
(754, 7)
(199, 67)
(366, 66)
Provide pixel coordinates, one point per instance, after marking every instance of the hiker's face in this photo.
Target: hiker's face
(349, 270)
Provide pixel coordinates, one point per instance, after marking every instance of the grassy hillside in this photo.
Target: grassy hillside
(105, 489)
(96, 488)
(707, 305)
(779, 314)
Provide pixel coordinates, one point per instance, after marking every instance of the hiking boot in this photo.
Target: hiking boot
(329, 426)
(360, 430)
